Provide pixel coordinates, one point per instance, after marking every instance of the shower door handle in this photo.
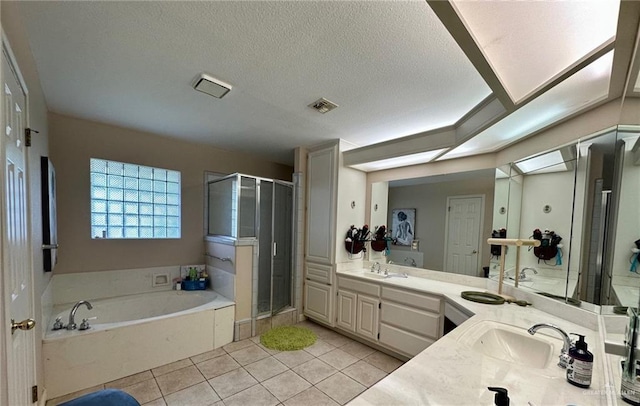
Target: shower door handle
(275, 248)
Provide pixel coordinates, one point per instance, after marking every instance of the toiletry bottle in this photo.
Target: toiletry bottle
(502, 396)
(580, 366)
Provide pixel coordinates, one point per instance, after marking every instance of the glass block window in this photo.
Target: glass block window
(134, 201)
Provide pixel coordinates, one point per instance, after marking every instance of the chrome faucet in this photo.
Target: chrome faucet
(375, 267)
(412, 263)
(564, 353)
(72, 315)
(523, 274)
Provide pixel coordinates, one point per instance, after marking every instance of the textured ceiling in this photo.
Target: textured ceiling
(391, 67)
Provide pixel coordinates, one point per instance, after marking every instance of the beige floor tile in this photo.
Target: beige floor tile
(337, 340)
(174, 366)
(208, 355)
(180, 379)
(217, 366)
(249, 354)
(73, 395)
(237, 345)
(364, 373)
(256, 395)
(357, 349)
(293, 358)
(383, 361)
(196, 395)
(266, 368)
(286, 385)
(232, 382)
(310, 397)
(157, 402)
(338, 359)
(256, 339)
(129, 380)
(145, 391)
(315, 370)
(319, 347)
(340, 388)
(269, 350)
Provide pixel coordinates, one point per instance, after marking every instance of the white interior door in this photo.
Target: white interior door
(464, 219)
(16, 270)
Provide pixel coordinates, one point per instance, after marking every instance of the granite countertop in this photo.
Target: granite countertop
(450, 372)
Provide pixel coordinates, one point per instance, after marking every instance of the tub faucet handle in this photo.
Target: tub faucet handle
(58, 325)
(85, 324)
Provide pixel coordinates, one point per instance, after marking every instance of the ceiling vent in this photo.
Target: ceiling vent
(211, 86)
(323, 105)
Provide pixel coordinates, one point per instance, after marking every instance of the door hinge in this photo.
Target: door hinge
(378, 336)
(449, 208)
(379, 305)
(34, 394)
(27, 135)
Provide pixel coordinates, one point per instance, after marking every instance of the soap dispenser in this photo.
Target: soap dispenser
(580, 366)
(501, 398)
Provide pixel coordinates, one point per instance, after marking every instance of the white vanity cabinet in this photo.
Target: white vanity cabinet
(410, 321)
(358, 307)
(319, 292)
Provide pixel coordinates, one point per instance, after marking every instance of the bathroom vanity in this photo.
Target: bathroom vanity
(489, 347)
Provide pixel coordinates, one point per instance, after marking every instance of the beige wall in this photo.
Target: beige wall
(13, 27)
(75, 141)
(430, 202)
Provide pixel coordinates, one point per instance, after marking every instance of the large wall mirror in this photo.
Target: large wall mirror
(586, 194)
(451, 219)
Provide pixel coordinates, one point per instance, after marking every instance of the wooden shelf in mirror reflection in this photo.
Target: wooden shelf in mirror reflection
(518, 242)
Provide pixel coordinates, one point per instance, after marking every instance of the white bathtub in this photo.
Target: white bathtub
(132, 334)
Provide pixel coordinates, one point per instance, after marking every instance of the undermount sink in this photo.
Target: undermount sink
(374, 275)
(512, 344)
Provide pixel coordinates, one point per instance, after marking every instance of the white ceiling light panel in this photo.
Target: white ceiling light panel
(406, 160)
(551, 162)
(528, 43)
(584, 88)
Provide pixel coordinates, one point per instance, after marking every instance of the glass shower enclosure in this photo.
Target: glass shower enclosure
(258, 211)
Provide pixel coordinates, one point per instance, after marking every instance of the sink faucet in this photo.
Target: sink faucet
(72, 315)
(410, 261)
(564, 353)
(375, 267)
(523, 274)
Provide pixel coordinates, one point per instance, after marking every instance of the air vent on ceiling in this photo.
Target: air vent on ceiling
(211, 86)
(323, 105)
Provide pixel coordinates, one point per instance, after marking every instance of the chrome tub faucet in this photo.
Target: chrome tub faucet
(72, 324)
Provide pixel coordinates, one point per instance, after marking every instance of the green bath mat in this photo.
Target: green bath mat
(288, 338)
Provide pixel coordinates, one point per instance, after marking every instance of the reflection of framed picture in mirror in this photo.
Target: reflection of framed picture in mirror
(403, 226)
(49, 222)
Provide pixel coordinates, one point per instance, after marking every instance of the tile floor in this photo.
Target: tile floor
(331, 372)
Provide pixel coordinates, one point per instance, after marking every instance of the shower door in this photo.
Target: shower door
(282, 247)
(275, 246)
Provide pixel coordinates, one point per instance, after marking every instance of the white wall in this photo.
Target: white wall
(430, 202)
(553, 189)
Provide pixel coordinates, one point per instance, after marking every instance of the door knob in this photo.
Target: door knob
(27, 324)
(474, 251)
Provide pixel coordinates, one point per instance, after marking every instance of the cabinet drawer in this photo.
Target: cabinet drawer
(319, 272)
(403, 341)
(420, 300)
(367, 288)
(414, 320)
